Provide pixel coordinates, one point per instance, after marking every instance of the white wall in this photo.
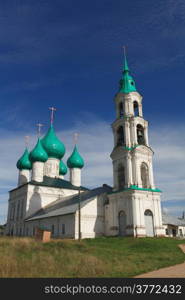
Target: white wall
(92, 218)
(58, 221)
(26, 200)
(40, 196)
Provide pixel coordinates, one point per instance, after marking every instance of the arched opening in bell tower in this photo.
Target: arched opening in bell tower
(136, 109)
(145, 176)
(121, 110)
(121, 176)
(140, 135)
(120, 136)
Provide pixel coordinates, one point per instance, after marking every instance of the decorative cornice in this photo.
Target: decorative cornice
(136, 188)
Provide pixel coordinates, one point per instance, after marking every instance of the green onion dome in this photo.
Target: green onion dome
(38, 153)
(53, 146)
(24, 162)
(62, 168)
(75, 160)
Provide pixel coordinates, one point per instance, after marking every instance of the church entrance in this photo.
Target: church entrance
(122, 223)
(149, 223)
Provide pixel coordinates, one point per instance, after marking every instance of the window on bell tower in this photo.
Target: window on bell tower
(144, 175)
(136, 109)
(121, 110)
(140, 135)
(120, 136)
(121, 176)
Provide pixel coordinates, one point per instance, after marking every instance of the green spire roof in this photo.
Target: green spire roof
(24, 162)
(75, 160)
(62, 168)
(38, 153)
(53, 146)
(126, 68)
(127, 83)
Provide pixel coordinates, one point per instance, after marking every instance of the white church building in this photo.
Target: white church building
(132, 207)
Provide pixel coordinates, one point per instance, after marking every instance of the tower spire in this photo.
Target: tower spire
(127, 83)
(125, 64)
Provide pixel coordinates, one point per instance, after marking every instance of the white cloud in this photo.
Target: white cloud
(95, 145)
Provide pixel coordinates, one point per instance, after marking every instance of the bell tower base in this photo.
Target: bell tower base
(134, 212)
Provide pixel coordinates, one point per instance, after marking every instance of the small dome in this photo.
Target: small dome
(75, 160)
(53, 146)
(24, 162)
(62, 168)
(38, 153)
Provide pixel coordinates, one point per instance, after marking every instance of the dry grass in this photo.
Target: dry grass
(102, 257)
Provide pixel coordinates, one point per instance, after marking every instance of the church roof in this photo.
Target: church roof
(68, 205)
(57, 183)
(54, 183)
(172, 220)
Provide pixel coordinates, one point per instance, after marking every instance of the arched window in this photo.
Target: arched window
(140, 135)
(120, 136)
(136, 109)
(121, 110)
(121, 176)
(144, 176)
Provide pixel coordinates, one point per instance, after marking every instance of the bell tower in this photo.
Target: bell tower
(132, 154)
(134, 206)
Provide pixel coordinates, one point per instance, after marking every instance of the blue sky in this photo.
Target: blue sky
(68, 54)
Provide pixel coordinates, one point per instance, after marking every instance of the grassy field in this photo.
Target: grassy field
(101, 257)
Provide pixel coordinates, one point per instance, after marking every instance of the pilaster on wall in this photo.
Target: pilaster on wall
(146, 135)
(151, 175)
(129, 170)
(133, 134)
(140, 110)
(127, 134)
